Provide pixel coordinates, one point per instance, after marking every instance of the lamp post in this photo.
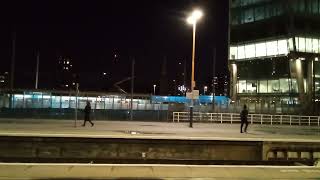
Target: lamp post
(154, 89)
(192, 19)
(205, 88)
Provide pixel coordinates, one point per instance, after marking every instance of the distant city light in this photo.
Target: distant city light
(104, 73)
(182, 88)
(67, 85)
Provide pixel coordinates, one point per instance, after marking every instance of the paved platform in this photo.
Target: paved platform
(151, 172)
(158, 130)
(155, 130)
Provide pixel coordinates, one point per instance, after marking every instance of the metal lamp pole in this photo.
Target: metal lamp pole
(192, 19)
(154, 89)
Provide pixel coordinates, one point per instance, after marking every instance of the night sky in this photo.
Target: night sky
(92, 32)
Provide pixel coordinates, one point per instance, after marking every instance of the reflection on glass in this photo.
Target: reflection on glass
(273, 86)
(252, 86)
(263, 86)
(284, 85)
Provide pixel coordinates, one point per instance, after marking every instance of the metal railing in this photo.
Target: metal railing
(252, 118)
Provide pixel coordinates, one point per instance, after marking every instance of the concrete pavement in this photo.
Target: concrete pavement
(155, 130)
(154, 172)
(158, 130)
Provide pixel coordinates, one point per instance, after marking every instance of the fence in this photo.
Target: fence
(252, 118)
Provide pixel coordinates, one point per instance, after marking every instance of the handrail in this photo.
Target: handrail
(253, 118)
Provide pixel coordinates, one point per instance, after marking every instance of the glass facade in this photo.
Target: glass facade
(306, 6)
(260, 49)
(310, 45)
(274, 86)
(280, 47)
(266, 36)
(269, 76)
(240, 3)
(246, 11)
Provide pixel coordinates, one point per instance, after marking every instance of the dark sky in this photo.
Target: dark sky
(91, 32)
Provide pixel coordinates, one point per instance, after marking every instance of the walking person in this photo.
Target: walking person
(87, 111)
(244, 119)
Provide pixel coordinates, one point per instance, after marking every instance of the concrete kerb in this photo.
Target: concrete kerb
(32, 170)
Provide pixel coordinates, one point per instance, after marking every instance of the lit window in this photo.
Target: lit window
(308, 45)
(284, 85)
(67, 62)
(241, 52)
(263, 86)
(272, 48)
(273, 86)
(73, 83)
(242, 86)
(2, 81)
(67, 85)
(290, 44)
(250, 51)
(315, 45)
(282, 47)
(301, 44)
(233, 53)
(261, 49)
(67, 68)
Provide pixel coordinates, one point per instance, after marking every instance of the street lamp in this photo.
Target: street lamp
(154, 89)
(192, 19)
(205, 88)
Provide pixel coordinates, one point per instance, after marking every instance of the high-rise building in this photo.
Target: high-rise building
(274, 51)
(4, 81)
(65, 76)
(220, 85)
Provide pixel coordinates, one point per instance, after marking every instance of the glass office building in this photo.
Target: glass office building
(274, 52)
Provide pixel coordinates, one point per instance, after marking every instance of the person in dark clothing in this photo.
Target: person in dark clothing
(244, 119)
(87, 111)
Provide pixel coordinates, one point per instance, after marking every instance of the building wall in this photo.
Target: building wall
(274, 51)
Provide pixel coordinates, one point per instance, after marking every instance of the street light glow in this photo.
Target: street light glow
(194, 17)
